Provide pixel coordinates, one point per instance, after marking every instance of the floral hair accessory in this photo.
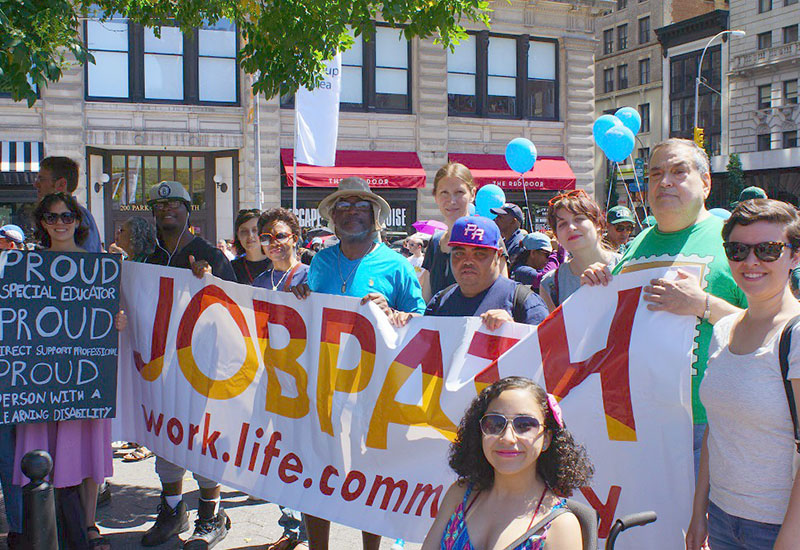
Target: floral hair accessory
(555, 408)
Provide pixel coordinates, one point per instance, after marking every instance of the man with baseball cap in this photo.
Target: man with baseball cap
(358, 265)
(619, 222)
(178, 247)
(510, 220)
(537, 259)
(480, 290)
(11, 237)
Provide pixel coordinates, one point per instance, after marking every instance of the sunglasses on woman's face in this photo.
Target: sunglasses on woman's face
(51, 218)
(267, 238)
(523, 424)
(766, 252)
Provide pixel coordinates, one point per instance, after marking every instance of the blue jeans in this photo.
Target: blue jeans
(293, 524)
(697, 433)
(727, 532)
(12, 494)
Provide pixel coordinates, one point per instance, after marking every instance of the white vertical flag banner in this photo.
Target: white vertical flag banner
(317, 113)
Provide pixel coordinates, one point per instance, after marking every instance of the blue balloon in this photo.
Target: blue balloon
(488, 197)
(602, 125)
(720, 213)
(471, 209)
(520, 155)
(618, 143)
(630, 118)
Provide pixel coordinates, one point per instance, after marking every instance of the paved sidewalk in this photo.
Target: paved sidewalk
(135, 496)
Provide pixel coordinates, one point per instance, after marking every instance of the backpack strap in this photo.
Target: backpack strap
(554, 513)
(441, 296)
(521, 293)
(288, 284)
(783, 354)
(555, 293)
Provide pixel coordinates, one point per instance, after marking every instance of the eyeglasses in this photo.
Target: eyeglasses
(267, 238)
(566, 195)
(167, 204)
(523, 425)
(766, 252)
(51, 218)
(359, 205)
(622, 227)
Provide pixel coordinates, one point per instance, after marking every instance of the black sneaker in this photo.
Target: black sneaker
(169, 523)
(208, 528)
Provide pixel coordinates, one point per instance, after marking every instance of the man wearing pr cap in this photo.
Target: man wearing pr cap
(178, 247)
(619, 222)
(510, 220)
(11, 237)
(360, 266)
(480, 289)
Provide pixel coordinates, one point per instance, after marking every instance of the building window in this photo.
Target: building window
(644, 153)
(608, 80)
(170, 67)
(644, 113)
(216, 62)
(163, 64)
(486, 75)
(461, 78)
(644, 30)
(764, 97)
(763, 142)
(790, 92)
(622, 4)
(501, 86)
(375, 73)
(391, 70)
(644, 71)
(790, 34)
(683, 72)
(108, 42)
(608, 41)
(790, 139)
(622, 37)
(764, 5)
(541, 88)
(622, 77)
(765, 40)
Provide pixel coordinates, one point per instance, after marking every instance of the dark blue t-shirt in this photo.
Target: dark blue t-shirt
(452, 303)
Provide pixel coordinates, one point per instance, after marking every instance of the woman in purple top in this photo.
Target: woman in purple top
(279, 232)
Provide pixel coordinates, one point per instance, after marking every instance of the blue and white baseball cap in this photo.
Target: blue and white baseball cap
(475, 231)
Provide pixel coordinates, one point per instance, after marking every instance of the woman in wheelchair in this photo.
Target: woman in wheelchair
(516, 464)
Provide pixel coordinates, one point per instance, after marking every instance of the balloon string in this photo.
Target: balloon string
(527, 206)
(639, 185)
(625, 185)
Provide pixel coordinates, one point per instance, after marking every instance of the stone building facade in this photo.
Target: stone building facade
(178, 108)
(764, 109)
(630, 67)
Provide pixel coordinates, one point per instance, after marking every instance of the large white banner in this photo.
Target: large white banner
(317, 113)
(322, 406)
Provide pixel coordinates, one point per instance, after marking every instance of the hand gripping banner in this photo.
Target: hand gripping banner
(322, 406)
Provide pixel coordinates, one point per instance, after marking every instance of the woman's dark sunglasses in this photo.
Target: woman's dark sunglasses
(51, 218)
(495, 424)
(766, 252)
(267, 238)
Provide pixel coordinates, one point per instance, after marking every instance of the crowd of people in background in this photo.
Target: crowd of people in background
(500, 270)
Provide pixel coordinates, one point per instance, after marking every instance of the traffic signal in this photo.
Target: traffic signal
(699, 138)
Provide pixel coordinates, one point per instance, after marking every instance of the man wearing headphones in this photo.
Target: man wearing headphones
(178, 247)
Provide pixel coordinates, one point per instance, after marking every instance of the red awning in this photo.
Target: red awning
(379, 168)
(548, 174)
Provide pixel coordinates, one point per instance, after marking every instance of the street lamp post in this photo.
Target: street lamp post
(700, 66)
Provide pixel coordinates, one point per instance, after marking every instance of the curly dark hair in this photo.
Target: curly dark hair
(40, 233)
(143, 236)
(242, 218)
(268, 217)
(564, 465)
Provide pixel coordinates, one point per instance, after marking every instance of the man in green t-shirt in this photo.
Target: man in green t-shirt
(685, 235)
